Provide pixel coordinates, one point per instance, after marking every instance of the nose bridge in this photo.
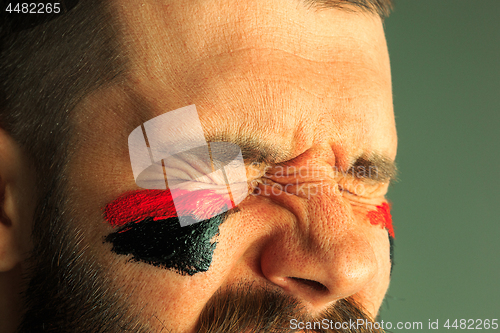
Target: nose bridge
(325, 246)
(327, 216)
(339, 240)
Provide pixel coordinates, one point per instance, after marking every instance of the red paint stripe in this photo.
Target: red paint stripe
(135, 206)
(382, 216)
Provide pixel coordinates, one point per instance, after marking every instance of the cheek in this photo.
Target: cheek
(382, 216)
(150, 230)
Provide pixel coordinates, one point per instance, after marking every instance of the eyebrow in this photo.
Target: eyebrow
(381, 8)
(373, 168)
(252, 149)
(376, 168)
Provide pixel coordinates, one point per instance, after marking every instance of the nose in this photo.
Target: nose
(321, 254)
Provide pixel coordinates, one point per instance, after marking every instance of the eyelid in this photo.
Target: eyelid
(194, 163)
(345, 190)
(182, 170)
(362, 189)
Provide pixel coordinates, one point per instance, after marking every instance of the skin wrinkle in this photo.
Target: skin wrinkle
(231, 54)
(320, 78)
(329, 214)
(272, 34)
(302, 216)
(204, 46)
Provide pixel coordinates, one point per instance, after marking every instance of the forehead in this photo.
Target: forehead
(273, 69)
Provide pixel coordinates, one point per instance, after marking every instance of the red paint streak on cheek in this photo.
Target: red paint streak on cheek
(135, 206)
(382, 216)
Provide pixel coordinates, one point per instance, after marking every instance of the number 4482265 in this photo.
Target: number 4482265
(34, 8)
(471, 324)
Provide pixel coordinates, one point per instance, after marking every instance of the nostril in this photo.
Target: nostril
(315, 285)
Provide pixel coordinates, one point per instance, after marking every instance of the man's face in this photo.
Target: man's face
(311, 87)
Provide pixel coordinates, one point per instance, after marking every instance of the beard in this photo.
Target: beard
(67, 290)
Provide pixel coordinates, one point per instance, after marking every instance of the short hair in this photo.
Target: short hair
(381, 8)
(46, 68)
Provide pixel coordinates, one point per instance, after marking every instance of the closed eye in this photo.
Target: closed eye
(344, 190)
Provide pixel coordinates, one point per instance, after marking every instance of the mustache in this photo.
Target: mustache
(248, 309)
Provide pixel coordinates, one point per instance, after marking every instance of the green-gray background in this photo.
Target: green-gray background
(445, 57)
